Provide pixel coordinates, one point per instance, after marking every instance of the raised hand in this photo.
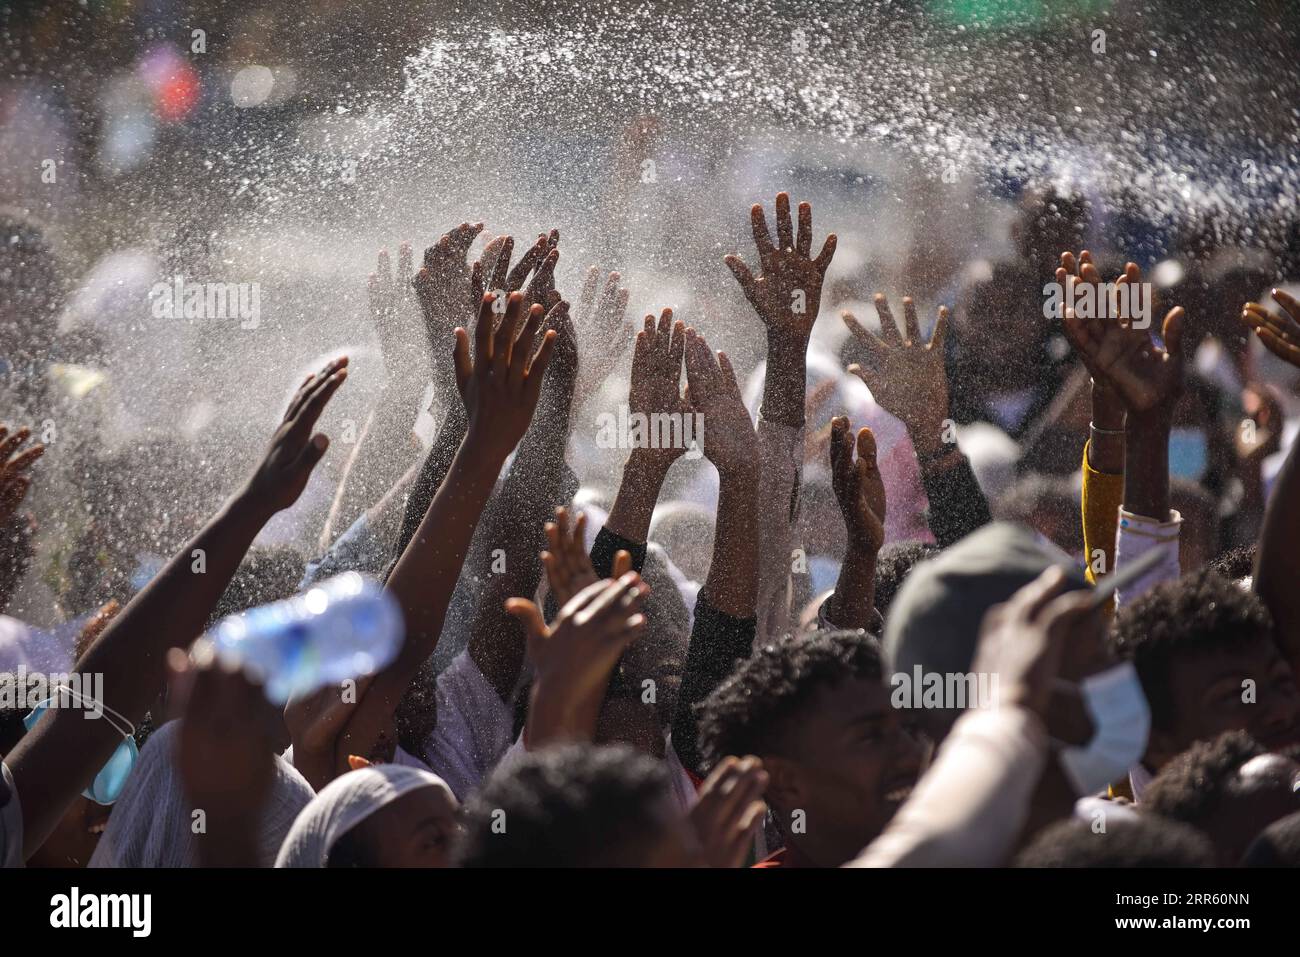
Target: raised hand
(787, 292)
(501, 384)
(568, 566)
(14, 480)
(1146, 377)
(16, 531)
(294, 451)
(602, 323)
(493, 273)
(388, 297)
(858, 486)
(730, 810)
(443, 286)
(906, 375)
(1280, 334)
(225, 749)
(591, 630)
(655, 385)
(730, 442)
(540, 288)
(574, 658)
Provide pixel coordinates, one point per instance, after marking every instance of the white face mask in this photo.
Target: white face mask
(1121, 720)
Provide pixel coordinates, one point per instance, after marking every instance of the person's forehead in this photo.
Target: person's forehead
(415, 809)
(1248, 660)
(849, 702)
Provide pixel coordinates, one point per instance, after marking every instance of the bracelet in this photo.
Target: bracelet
(1105, 431)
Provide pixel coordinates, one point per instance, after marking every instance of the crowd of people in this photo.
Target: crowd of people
(959, 598)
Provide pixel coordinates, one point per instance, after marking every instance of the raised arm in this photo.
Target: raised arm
(725, 619)
(907, 378)
(1279, 539)
(786, 295)
(654, 392)
(1103, 462)
(438, 292)
(500, 385)
(15, 529)
(538, 482)
(385, 445)
(861, 495)
(575, 658)
(731, 445)
(62, 754)
(1148, 379)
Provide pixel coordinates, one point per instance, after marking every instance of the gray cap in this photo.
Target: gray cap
(935, 620)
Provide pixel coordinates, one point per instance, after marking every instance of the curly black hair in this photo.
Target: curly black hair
(1200, 613)
(751, 711)
(1278, 845)
(1147, 841)
(893, 564)
(1190, 787)
(1236, 563)
(569, 806)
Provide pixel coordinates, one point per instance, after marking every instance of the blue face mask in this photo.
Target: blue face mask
(111, 778)
(1189, 454)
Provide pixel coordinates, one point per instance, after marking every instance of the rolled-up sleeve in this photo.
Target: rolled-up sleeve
(1139, 535)
(781, 457)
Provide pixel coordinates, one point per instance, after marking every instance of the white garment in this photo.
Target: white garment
(11, 821)
(471, 735)
(1138, 535)
(343, 804)
(151, 821)
(780, 449)
(473, 727)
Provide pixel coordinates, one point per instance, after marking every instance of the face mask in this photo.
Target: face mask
(1121, 720)
(1188, 454)
(111, 778)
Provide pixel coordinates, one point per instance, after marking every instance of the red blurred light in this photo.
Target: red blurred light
(178, 94)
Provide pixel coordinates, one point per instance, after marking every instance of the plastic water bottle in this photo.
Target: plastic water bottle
(343, 628)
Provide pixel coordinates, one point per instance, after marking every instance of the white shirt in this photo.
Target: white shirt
(473, 729)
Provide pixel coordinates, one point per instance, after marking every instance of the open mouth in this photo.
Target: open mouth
(900, 791)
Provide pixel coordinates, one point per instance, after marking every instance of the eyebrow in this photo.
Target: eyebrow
(869, 717)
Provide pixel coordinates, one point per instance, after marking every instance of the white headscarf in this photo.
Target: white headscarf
(151, 821)
(343, 804)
